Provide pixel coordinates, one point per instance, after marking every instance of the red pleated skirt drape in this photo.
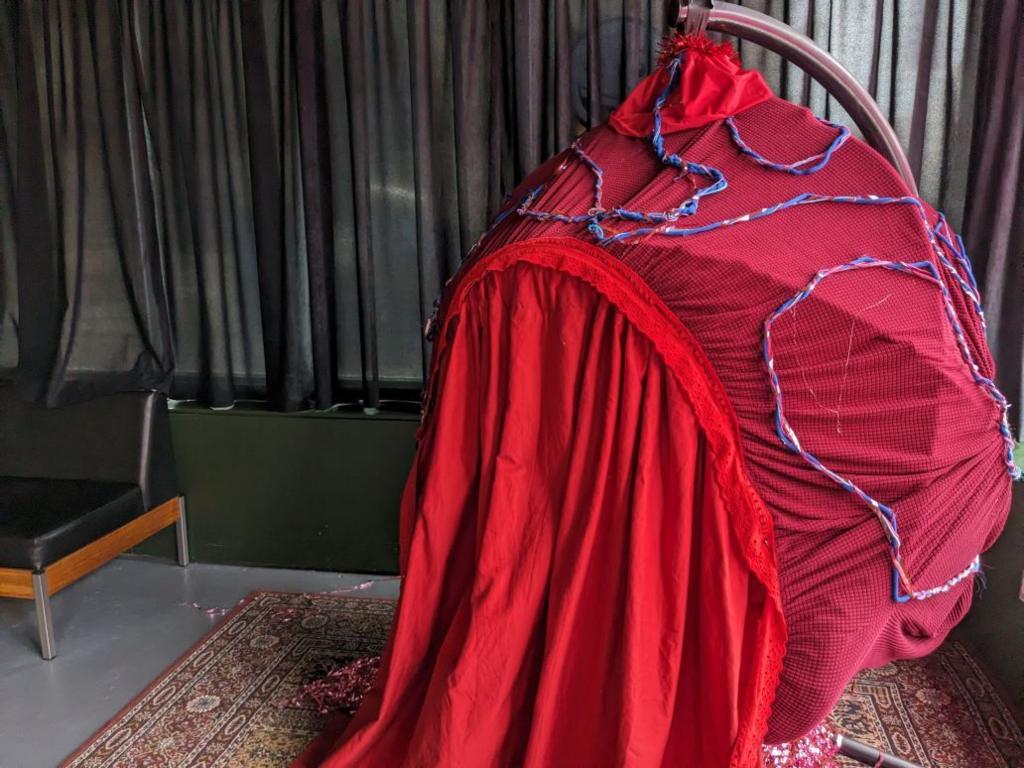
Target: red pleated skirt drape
(589, 579)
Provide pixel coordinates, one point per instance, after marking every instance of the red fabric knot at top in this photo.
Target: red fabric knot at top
(712, 86)
(676, 43)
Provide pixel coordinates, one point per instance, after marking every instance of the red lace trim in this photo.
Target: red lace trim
(688, 362)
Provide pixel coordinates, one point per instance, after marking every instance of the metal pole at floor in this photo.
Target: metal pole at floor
(862, 753)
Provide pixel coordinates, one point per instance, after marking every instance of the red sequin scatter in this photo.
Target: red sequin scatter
(815, 750)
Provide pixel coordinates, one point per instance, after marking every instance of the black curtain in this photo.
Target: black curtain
(262, 199)
(994, 221)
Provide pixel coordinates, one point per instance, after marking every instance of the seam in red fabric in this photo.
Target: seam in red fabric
(684, 356)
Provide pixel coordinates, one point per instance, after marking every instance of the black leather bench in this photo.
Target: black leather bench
(79, 485)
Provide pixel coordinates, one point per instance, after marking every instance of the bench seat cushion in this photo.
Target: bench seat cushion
(42, 520)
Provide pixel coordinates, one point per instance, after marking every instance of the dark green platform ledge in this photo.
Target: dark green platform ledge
(299, 490)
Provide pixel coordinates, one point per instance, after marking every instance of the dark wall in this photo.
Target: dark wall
(309, 490)
(994, 628)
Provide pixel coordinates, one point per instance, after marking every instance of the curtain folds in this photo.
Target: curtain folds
(994, 221)
(262, 199)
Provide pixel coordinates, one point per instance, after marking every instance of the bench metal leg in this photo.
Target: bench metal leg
(43, 616)
(181, 529)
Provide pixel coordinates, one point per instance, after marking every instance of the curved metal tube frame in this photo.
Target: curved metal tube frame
(759, 28)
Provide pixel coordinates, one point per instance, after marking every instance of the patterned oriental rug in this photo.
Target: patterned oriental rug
(236, 698)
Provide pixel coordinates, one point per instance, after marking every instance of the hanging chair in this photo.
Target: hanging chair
(710, 427)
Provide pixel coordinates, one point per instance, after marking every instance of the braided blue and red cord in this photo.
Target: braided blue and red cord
(798, 168)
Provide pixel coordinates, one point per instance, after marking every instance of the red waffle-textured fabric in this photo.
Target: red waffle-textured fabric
(588, 575)
(874, 383)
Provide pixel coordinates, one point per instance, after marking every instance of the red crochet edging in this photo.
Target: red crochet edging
(686, 359)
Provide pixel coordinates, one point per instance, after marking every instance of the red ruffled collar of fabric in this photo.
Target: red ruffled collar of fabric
(712, 85)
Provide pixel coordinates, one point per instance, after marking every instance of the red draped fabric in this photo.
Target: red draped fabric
(588, 576)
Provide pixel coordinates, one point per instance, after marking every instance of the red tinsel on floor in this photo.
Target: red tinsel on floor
(343, 688)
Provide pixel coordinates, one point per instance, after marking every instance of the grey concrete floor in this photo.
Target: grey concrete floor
(116, 630)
